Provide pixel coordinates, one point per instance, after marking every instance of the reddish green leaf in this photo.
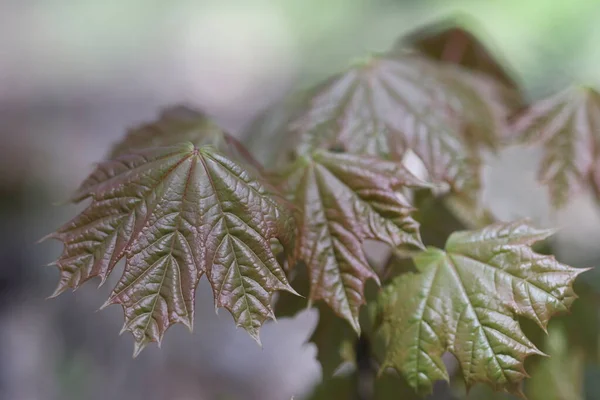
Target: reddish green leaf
(343, 200)
(465, 300)
(392, 103)
(176, 213)
(567, 125)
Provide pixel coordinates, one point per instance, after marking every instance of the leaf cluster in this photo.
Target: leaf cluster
(179, 199)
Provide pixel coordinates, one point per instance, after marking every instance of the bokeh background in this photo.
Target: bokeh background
(75, 74)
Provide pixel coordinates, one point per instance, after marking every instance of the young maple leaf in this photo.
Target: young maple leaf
(396, 102)
(465, 300)
(343, 200)
(568, 127)
(176, 213)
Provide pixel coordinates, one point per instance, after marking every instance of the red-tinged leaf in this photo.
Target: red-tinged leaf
(466, 299)
(567, 125)
(176, 213)
(396, 102)
(452, 40)
(176, 125)
(343, 200)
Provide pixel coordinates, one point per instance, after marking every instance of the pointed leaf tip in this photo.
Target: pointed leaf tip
(344, 200)
(150, 207)
(382, 109)
(138, 347)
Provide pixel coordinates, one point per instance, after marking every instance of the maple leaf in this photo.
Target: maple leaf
(465, 300)
(567, 125)
(452, 40)
(395, 102)
(175, 213)
(343, 200)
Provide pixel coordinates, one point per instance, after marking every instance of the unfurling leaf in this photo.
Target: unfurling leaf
(175, 213)
(465, 300)
(568, 127)
(452, 40)
(344, 200)
(396, 102)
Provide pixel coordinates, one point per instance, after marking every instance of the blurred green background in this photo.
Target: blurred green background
(75, 74)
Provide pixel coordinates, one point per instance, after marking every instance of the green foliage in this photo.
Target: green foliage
(180, 199)
(464, 300)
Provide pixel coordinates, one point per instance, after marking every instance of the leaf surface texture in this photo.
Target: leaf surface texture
(466, 299)
(393, 103)
(343, 200)
(176, 213)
